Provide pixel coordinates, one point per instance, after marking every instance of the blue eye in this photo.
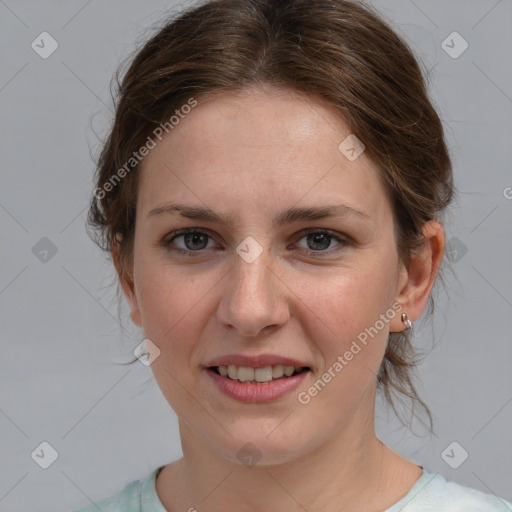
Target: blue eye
(195, 241)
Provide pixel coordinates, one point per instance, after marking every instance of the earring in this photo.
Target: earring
(406, 321)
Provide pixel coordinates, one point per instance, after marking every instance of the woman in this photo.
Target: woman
(271, 193)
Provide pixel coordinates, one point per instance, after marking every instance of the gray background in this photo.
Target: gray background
(60, 336)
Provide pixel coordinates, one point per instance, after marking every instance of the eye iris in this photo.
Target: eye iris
(315, 236)
(198, 241)
(194, 237)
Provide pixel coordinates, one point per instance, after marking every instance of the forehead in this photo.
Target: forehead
(258, 148)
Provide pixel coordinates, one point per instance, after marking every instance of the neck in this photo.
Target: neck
(351, 471)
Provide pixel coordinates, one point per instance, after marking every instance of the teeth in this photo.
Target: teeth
(232, 372)
(288, 370)
(245, 374)
(277, 371)
(265, 374)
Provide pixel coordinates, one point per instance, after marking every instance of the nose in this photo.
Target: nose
(254, 299)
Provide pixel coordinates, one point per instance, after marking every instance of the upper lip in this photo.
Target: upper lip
(259, 361)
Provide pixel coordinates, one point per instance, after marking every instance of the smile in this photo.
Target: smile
(252, 390)
(257, 375)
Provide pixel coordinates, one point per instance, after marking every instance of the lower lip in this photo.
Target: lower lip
(264, 392)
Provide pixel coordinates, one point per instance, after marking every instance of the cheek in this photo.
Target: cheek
(342, 315)
(173, 309)
(167, 299)
(340, 321)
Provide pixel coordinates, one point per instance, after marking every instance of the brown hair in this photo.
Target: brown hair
(339, 50)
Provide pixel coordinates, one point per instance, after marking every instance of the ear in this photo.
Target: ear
(416, 282)
(127, 284)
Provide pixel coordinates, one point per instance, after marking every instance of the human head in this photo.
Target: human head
(338, 51)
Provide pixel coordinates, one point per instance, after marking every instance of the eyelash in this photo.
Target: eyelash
(189, 253)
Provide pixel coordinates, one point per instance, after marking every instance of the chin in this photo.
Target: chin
(261, 450)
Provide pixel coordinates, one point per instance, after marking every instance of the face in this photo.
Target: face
(250, 283)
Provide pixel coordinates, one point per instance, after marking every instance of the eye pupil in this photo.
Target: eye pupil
(195, 238)
(317, 239)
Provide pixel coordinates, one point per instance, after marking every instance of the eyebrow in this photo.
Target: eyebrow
(285, 217)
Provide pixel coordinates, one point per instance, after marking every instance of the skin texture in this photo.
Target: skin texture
(251, 155)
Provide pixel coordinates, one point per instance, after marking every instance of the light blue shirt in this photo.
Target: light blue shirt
(430, 493)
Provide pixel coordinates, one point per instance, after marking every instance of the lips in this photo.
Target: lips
(258, 378)
(254, 392)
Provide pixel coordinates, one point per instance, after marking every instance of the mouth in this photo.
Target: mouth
(260, 375)
(261, 379)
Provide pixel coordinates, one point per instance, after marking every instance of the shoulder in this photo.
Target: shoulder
(432, 492)
(134, 497)
(461, 498)
(127, 500)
